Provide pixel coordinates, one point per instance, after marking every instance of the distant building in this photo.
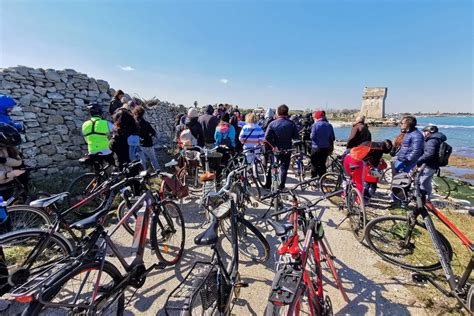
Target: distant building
(373, 102)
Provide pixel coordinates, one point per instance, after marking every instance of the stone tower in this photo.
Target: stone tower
(373, 102)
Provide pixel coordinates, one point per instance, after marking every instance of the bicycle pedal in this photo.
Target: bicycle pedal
(419, 278)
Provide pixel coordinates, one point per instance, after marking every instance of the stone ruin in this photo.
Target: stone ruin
(373, 103)
(51, 105)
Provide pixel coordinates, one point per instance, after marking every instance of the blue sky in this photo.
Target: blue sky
(307, 54)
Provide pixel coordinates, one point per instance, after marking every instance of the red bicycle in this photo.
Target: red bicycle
(298, 284)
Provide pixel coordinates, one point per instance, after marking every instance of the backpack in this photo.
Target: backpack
(445, 151)
(187, 139)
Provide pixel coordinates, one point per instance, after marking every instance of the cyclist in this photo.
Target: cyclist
(322, 143)
(280, 134)
(96, 132)
(411, 148)
(430, 157)
(251, 136)
(6, 107)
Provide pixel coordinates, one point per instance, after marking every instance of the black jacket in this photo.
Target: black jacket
(431, 150)
(119, 145)
(146, 133)
(114, 105)
(281, 132)
(209, 123)
(197, 131)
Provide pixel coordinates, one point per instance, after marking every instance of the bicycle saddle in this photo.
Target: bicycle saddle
(209, 236)
(89, 222)
(45, 202)
(207, 176)
(280, 229)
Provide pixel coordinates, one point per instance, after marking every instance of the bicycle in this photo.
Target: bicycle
(210, 287)
(348, 197)
(258, 170)
(99, 298)
(417, 246)
(300, 162)
(298, 282)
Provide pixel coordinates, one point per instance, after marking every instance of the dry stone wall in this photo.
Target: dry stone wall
(51, 106)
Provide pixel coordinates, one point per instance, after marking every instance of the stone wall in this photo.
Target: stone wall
(373, 102)
(51, 106)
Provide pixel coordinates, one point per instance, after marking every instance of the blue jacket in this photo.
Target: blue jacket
(431, 150)
(411, 148)
(5, 103)
(322, 134)
(220, 134)
(281, 132)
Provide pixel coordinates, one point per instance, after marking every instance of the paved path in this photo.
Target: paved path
(370, 291)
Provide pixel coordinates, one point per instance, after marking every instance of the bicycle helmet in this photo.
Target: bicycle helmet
(9, 135)
(431, 129)
(95, 108)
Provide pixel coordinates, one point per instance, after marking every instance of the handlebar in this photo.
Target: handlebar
(228, 182)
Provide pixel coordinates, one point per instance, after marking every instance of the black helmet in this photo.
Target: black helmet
(9, 135)
(95, 108)
(431, 128)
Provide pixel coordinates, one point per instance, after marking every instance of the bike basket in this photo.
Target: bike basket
(176, 187)
(286, 283)
(192, 158)
(214, 160)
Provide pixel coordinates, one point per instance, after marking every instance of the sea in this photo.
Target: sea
(458, 129)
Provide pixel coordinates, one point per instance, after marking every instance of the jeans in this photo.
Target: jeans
(149, 154)
(426, 178)
(318, 161)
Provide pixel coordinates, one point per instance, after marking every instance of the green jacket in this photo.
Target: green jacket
(96, 132)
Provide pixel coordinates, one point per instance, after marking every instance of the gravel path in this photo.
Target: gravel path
(370, 291)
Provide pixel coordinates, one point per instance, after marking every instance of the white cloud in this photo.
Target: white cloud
(225, 81)
(126, 68)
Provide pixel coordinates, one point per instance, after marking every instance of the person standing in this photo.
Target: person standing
(123, 137)
(146, 133)
(322, 143)
(116, 102)
(411, 148)
(359, 134)
(209, 123)
(430, 157)
(251, 136)
(280, 134)
(195, 126)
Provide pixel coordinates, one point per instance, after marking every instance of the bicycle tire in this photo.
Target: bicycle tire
(305, 165)
(49, 294)
(260, 173)
(244, 228)
(25, 216)
(441, 187)
(190, 179)
(171, 218)
(356, 213)
(331, 182)
(470, 299)
(81, 187)
(122, 209)
(380, 229)
(16, 254)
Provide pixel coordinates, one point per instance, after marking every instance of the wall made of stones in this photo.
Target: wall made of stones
(51, 106)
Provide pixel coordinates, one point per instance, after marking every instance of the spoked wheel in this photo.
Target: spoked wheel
(167, 233)
(78, 287)
(405, 243)
(386, 179)
(122, 210)
(356, 214)
(329, 183)
(190, 177)
(259, 172)
(302, 169)
(80, 188)
(23, 216)
(252, 244)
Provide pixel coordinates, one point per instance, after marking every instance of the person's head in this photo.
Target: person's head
(225, 118)
(6, 104)
(178, 118)
(387, 146)
(319, 115)
(192, 113)
(360, 119)
(95, 109)
(210, 109)
(430, 129)
(9, 135)
(251, 118)
(282, 110)
(408, 123)
(118, 94)
(125, 122)
(234, 121)
(270, 113)
(138, 112)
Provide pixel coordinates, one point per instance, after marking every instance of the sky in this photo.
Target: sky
(306, 54)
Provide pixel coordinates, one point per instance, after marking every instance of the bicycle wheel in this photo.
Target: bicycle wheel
(190, 179)
(122, 209)
(356, 213)
(305, 165)
(81, 187)
(18, 248)
(331, 182)
(167, 234)
(387, 236)
(252, 244)
(24, 216)
(259, 172)
(78, 287)
(253, 189)
(441, 187)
